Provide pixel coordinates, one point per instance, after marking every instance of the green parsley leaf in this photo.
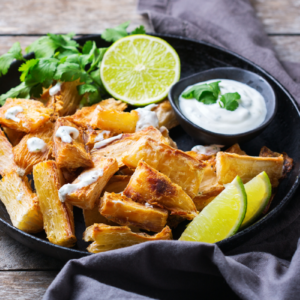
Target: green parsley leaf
(206, 93)
(91, 94)
(86, 88)
(95, 75)
(15, 52)
(21, 91)
(208, 98)
(26, 67)
(113, 34)
(64, 42)
(44, 70)
(139, 30)
(46, 46)
(229, 101)
(215, 88)
(70, 72)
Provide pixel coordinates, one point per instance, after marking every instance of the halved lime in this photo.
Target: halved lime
(140, 69)
(221, 218)
(259, 191)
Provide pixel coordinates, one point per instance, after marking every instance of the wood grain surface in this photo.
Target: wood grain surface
(24, 273)
(24, 285)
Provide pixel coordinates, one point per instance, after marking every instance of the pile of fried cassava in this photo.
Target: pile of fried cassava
(146, 186)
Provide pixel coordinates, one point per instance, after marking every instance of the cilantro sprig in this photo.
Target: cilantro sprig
(59, 57)
(229, 101)
(209, 94)
(206, 93)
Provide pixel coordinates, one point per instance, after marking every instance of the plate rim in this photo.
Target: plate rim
(228, 241)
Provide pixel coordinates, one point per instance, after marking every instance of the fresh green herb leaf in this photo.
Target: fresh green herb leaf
(86, 88)
(15, 52)
(189, 94)
(22, 91)
(202, 91)
(139, 30)
(229, 101)
(44, 70)
(208, 98)
(64, 42)
(90, 92)
(46, 46)
(215, 88)
(113, 34)
(95, 75)
(206, 93)
(26, 67)
(70, 72)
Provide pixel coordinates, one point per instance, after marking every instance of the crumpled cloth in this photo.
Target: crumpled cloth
(267, 266)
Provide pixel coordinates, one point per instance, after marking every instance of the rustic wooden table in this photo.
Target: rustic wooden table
(26, 274)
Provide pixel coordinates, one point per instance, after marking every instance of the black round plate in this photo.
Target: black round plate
(282, 135)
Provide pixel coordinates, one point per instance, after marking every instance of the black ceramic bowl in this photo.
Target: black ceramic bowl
(207, 137)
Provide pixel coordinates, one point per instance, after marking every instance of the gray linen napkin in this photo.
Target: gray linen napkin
(258, 269)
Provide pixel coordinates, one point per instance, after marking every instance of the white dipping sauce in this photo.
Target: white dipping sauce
(55, 89)
(84, 180)
(207, 150)
(100, 136)
(105, 142)
(12, 112)
(67, 133)
(36, 145)
(250, 113)
(146, 117)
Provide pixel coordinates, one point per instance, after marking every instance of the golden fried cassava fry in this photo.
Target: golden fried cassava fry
(83, 117)
(122, 210)
(120, 147)
(147, 185)
(86, 197)
(209, 187)
(58, 217)
(28, 116)
(21, 203)
(116, 184)
(229, 165)
(114, 120)
(7, 163)
(67, 99)
(236, 149)
(180, 167)
(107, 238)
(91, 136)
(26, 159)
(14, 136)
(70, 155)
(287, 161)
(166, 115)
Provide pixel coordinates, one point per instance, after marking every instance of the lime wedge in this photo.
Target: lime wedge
(259, 191)
(140, 69)
(221, 218)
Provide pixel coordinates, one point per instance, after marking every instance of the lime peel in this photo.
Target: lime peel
(221, 218)
(259, 191)
(140, 69)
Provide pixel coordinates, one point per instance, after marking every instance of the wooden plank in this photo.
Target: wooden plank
(24, 285)
(89, 16)
(278, 16)
(56, 16)
(15, 256)
(287, 47)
